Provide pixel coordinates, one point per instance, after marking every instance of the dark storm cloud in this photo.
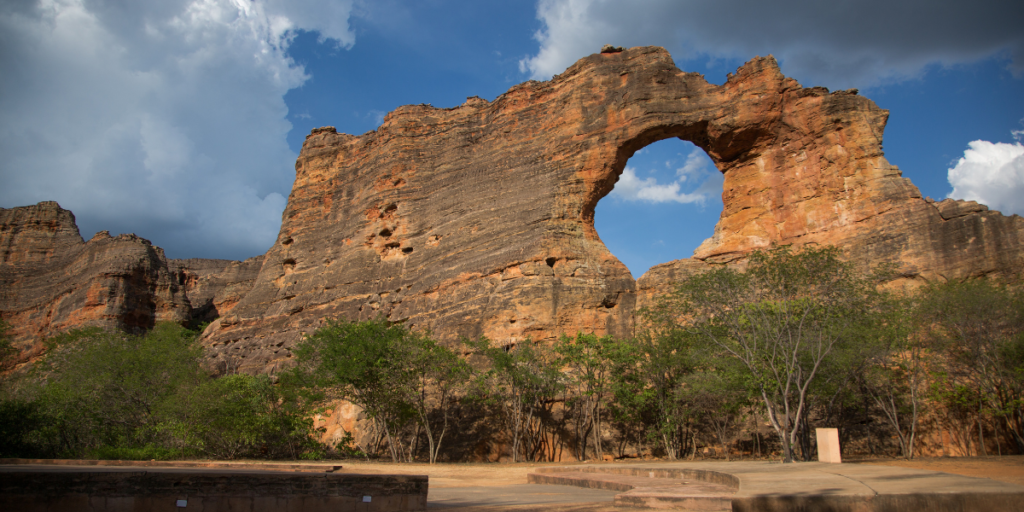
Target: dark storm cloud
(838, 44)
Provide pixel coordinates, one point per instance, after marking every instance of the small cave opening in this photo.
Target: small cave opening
(665, 203)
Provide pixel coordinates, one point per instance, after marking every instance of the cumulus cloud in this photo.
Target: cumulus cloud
(164, 118)
(696, 169)
(991, 173)
(835, 44)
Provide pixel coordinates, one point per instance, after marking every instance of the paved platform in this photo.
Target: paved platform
(767, 486)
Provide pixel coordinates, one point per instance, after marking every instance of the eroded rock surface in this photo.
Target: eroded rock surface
(51, 280)
(478, 219)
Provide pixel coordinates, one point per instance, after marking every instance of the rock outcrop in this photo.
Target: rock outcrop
(478, 219)
(214, 287)
(51, 280)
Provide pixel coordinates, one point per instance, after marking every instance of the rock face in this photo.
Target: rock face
(478, 219)
(214, 287)
(52, 280)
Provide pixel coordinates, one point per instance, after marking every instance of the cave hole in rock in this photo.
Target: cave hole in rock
(664, 205)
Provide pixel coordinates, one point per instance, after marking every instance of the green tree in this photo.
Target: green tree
(239, 416)
(113, 395)
(440, 377)
(521, 383)
(398, 377)
(719, 393)
(587, 366)
(666, 359)
(979, 327)
(782, 318)
(897, 366)
(632, 407)
(107, 388)
(360, 362)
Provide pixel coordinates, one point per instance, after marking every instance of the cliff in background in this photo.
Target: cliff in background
(51, 280)
(478, 220)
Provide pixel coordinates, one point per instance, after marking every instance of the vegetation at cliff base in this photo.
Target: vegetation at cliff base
(731, 363)
(101, 394)
(404, 381)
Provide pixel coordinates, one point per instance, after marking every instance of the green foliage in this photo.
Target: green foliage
(978, 326)
(719, 394)
(521, 385)
(586, 378)
(111, 395)
(398, 377)
(346, 448)
(632, 406)
(896, 366)
(147, 452)
(666, 358)
(19, 420)
(783, 319)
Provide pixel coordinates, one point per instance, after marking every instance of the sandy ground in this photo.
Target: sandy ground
(1008, 468)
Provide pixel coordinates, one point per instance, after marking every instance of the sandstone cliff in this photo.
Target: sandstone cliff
(478, 219)
(51, 280)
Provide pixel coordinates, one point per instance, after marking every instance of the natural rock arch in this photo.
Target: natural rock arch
(478, 219)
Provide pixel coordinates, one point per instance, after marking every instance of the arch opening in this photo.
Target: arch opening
(664, 204)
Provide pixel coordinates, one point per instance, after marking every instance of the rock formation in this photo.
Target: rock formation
(478, 220)
(51, 280)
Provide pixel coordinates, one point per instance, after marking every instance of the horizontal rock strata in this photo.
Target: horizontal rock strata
(51, 280)
(477, 220)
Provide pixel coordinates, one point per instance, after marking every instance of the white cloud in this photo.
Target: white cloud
(835, 44)
(696, 164)
(697, 168)
(165, 118)
(991, 174)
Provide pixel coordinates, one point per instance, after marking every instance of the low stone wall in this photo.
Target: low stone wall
(176, 490)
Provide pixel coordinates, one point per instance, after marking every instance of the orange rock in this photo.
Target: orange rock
(478, 219)
(52, 280)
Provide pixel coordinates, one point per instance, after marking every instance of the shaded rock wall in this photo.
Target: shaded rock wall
(478, 219)
(214, 287)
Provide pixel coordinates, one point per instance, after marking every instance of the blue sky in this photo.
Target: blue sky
(179, 120)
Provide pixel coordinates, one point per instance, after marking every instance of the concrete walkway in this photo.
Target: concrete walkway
(743, 486)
